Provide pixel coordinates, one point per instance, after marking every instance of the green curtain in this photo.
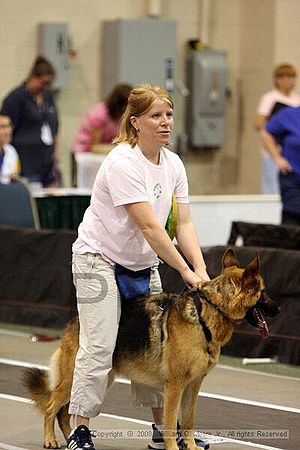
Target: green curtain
(64, 212)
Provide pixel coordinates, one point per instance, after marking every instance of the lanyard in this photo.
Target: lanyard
(1, 159)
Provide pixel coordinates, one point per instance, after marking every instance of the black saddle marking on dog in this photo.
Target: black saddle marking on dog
(134, 328)
(135, 324)
(198, 305)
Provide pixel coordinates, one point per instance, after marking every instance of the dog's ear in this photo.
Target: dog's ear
(229, 259)
(251, 270)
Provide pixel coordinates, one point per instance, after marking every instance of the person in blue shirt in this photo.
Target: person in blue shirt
(284, 127)
(32, 111)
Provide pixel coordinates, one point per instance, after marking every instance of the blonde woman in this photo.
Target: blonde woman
(124, 229)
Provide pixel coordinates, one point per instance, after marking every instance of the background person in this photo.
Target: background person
(125, 225)
(102, 122)
(283, 94)
(9, 160)
(33, 113)
(284, 126)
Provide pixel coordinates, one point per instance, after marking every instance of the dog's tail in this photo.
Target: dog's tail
(36, 384)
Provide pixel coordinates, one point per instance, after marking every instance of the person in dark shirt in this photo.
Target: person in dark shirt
(31, 108)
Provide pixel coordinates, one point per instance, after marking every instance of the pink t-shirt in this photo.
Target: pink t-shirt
(269, 99)
(127, 176)
(99, 118)
(267, 103)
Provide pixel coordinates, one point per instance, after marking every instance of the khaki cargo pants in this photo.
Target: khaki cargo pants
(99, 309)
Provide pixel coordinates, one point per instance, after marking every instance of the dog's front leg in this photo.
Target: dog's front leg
(173, 392)
(188, 407)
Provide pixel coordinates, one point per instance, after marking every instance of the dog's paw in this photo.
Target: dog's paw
(172, 446)
(53, 443)
(192, 446)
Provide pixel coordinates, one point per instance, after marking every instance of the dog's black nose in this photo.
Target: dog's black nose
(268, 307)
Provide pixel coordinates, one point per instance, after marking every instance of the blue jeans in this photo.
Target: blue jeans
(269, 176)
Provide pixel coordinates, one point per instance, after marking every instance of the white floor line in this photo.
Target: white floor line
(126, 419)
(257, 372)
(15, 398)
(15, 362)
(201, 394)
(249, 402)
(14, 333)
(10, 447)
(253, 444)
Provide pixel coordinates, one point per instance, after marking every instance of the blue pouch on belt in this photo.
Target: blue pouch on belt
(132, 283)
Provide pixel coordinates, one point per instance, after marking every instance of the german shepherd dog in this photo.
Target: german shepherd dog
(170, 341)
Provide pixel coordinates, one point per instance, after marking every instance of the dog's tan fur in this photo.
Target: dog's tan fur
(178, 355)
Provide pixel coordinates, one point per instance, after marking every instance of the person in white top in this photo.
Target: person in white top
(283, 94)
(125, 225)
(9, 160)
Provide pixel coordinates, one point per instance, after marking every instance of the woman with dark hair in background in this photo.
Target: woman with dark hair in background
(102, 122)
(33, 113)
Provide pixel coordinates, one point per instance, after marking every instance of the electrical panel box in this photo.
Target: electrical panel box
(205, 107)
(54, 45)
(138, 51)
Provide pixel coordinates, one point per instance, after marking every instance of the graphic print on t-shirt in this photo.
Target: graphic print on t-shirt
(157, 190)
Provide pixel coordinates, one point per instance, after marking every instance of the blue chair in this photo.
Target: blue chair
(18, 206)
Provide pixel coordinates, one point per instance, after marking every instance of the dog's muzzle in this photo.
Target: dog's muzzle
(265, 307)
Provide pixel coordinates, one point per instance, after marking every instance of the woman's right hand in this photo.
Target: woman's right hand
(191, 279)
(283, 165)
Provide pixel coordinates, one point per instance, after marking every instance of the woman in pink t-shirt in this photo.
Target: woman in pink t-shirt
(124, 231)
(283, 95)
(102, 122)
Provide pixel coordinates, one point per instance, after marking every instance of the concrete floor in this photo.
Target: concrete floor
(232, 401)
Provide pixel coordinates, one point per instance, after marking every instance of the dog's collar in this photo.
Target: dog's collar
(206, 330)
(200, 295)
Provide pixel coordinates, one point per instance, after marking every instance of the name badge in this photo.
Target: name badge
(46, 134)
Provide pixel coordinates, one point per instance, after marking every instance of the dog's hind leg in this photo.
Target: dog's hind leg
(50, 440)
(63, 418)
(173, 391)
(111, 378)
(188, 408)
